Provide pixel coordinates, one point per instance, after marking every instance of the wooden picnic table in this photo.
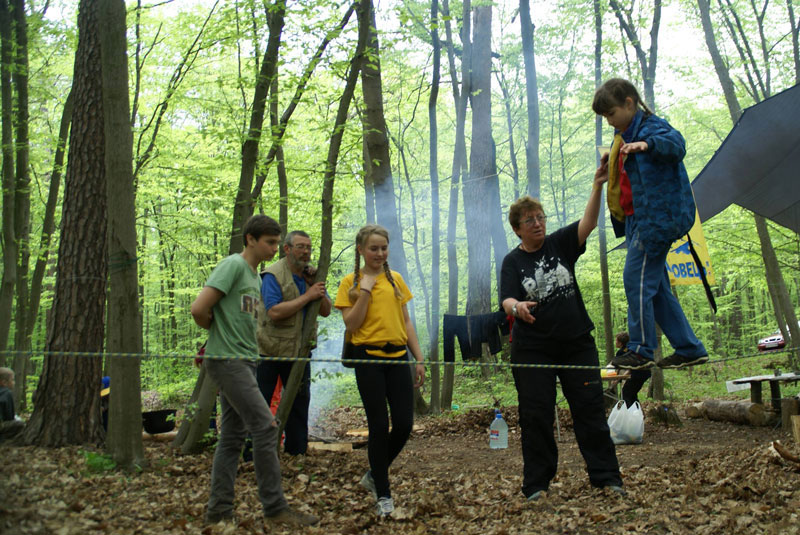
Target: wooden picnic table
(775, 381)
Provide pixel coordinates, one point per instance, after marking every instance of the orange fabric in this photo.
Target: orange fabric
(276, 397)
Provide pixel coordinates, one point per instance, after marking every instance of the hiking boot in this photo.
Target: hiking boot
(213, 518)
(290, 517)
(679, 361)
(536, 496)
(631, 361)
(385, 507)
(368, 483)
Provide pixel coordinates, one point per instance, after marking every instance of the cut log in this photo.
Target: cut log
(789, 408)
(796, 428)
(336, 446)
(364, 432)
(740, 412)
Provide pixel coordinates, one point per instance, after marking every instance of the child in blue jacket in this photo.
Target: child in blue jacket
(652, 205)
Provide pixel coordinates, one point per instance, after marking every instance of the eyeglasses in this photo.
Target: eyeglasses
(302, 247)
(538, 219)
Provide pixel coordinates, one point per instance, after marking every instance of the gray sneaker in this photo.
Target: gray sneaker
(385, 507)
(290, 517)
(617, 489)
(368, 483)
(679, 361)
(536, 496)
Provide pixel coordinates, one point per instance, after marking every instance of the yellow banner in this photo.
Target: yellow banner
(680, 264)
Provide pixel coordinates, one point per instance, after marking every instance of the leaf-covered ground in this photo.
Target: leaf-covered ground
(702, 478)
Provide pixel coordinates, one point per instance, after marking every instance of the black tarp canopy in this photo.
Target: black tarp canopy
(758, 164)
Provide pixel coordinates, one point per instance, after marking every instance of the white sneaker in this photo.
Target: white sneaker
(368, 483)
(385, 507)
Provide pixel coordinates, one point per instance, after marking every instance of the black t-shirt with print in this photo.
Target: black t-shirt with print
(547, 276)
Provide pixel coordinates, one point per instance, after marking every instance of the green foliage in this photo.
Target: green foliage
(98, 463)
(185, 189)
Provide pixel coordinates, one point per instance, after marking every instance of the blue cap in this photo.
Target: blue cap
(106, 381)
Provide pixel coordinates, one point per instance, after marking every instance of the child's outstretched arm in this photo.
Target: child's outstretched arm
(664, 143)
(589, 220)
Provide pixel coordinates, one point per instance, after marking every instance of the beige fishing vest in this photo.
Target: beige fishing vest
(282, 338)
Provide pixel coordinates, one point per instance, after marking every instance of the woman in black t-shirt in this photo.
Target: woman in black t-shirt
(552, 327)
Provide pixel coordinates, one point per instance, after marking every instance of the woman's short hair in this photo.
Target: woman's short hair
(521, 206)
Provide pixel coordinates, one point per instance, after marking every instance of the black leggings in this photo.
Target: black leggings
(377, 384)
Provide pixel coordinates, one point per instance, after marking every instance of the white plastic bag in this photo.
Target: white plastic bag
(626, 423)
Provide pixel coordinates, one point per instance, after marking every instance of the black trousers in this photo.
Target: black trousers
(536, 390)
(633, 385)
(296, 430)
(377, 384)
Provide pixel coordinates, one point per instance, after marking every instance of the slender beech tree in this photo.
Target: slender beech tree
(380, 166)
(124, 439)
(22, 193)
(48, 229)
(356, 63)
(435, 230)
(531, 98)
(10, 246)
(482, 193)
(459, 168)
(608, 327)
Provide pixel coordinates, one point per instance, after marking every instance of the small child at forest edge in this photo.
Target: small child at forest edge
(10, 424)
(652, 205)
(373, 303)
(226, 306)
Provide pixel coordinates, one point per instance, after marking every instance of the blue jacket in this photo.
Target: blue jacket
(662, 195)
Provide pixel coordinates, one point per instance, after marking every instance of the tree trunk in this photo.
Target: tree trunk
(10, 245)
(197, 415)
(243, 206)
(787, 316)
(48, 228)
(459, 167)
(647, 60)
(124, 439)
(377, 141)
(22, 196)
(512, 155)
(433, 333)
(532, 99)
(296, 375)
(283, 182)
(67, 401)
(608, 320)
(477, 195)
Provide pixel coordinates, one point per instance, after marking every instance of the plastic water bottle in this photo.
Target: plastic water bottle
(498, 432)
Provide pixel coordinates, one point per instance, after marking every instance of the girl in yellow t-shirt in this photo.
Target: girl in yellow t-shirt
(373, 303)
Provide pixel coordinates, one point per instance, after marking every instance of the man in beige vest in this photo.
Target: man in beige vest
(287, 289)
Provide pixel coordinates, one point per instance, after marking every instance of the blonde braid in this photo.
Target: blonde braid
(389, 277)
(353, 292)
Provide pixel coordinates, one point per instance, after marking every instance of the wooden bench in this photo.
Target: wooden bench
(775, 381)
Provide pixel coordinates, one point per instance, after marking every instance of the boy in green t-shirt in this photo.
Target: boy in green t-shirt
(226, 306)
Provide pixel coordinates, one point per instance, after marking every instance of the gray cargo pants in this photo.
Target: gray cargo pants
(244, 410)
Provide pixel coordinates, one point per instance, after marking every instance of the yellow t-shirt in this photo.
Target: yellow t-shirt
(384, 321)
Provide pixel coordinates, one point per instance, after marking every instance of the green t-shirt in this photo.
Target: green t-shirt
(233, 329)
